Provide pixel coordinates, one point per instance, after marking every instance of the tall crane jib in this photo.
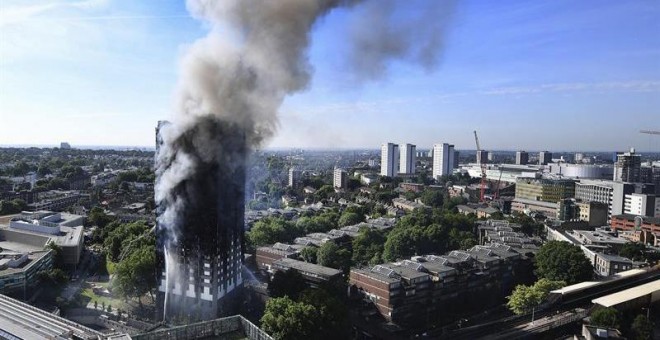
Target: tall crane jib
(482, 164)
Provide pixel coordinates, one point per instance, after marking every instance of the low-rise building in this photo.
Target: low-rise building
(419, 291)
(312, 273)
(22, 256)
(407, 205)
(606, 265)
(265, 256)
(63, 229)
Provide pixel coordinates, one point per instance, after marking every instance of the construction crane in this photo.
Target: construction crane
(650, 132)
(482, 163)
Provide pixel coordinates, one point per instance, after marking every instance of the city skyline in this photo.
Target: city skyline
(103, 73)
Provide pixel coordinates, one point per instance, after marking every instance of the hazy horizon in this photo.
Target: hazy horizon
(559, 75)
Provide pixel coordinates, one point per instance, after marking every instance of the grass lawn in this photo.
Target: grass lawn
(87, 296)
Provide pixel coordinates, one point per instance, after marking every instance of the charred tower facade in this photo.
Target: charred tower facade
(200, 241)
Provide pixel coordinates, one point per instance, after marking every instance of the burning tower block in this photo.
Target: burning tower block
(200, 221)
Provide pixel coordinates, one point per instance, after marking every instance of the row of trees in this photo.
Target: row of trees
(637, 327)
(15, 206)
(298, 312)
(557, 264)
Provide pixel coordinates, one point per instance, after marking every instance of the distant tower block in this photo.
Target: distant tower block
(407, 158)
(444, 159)
(389, 159)
(522, 157)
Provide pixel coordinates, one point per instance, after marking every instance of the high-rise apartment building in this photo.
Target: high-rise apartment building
(340, 178)
(407, 158)
(389, 159)
(545, 157)
(295, 177)
(522, 157)
(482, 156)
(199, 237)
(628, 167)
(443, 159)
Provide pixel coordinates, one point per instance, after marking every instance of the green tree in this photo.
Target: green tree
(402, 242)
(58, 258)
(633, 250)
(286, 319)
(562, 261)
(366, 245)
(642, 328)
(605, 317)
(134, 273)
(332, 313)
(288, 283)
(98, 217)
(269, 231)
(308, 254)
(525, 298)
(333, 256)
(432, 198)
(350, 218)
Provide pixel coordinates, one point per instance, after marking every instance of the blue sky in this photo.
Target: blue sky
(556, 75)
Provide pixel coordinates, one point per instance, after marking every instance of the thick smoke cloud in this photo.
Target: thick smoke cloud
(233, 81)
(384, 31)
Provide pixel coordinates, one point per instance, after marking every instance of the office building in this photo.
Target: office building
(295, 177)
(578, 157)
(63, 229)
(199, 255)
(456, 155)
(545, 190)
(408, 158)
(627, 167)
(522, 158)
(340, 178)
(642, 205)
(482, 156)
(22, 256)
(545, 157)
(389, 159)
(594, 213)
(443, 159)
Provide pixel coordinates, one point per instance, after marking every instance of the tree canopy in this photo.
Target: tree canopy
(287, 319)
(288, 283)
(642, 328)
(605, 317)
(316, 313)
(562, 261)
(524, 298)
(333, 256)
(368, 247)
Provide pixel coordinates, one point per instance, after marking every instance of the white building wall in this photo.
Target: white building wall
(389, 159)
(407, 158)
(443, 159)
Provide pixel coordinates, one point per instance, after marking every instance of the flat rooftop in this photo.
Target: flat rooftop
(651, 288)
(26, 322)
(307, 267)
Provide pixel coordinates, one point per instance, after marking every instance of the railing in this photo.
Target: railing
(208, 329)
